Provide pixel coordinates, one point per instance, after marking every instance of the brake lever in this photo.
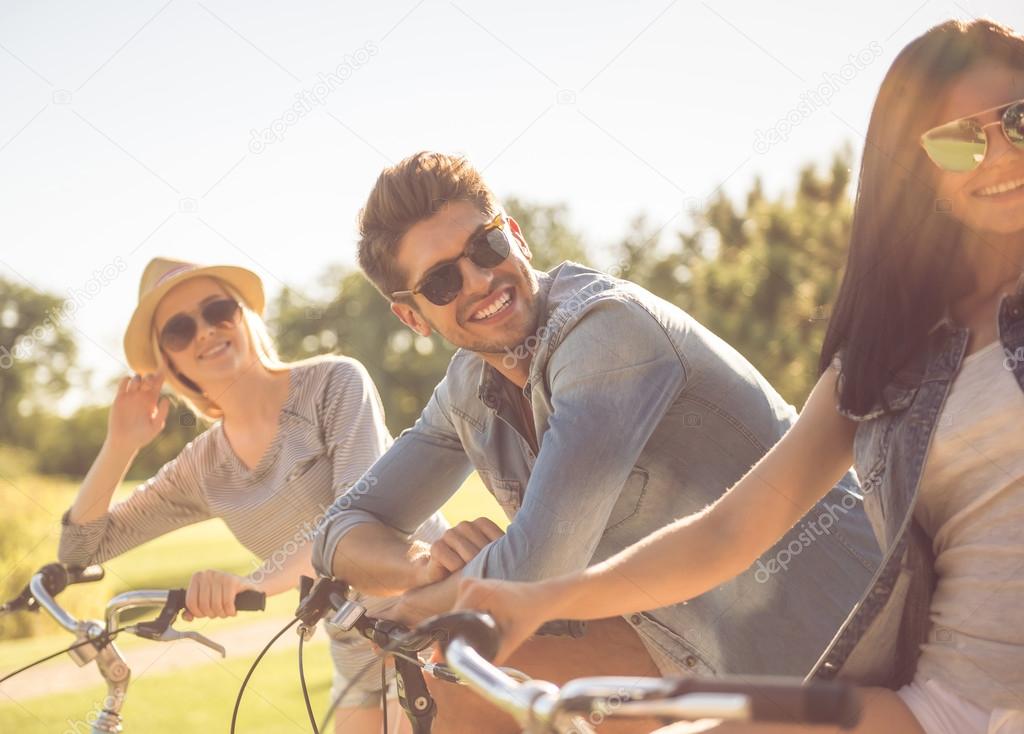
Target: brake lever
(173, 635)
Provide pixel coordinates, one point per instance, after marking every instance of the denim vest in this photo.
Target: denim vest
(879, 642)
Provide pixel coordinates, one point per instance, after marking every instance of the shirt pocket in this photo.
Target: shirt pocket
(630, 500)
(508, 492)
(300, 468)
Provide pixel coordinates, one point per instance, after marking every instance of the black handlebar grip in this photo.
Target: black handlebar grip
(55, 578)
(574, 628)
(479, 631)
(250, 600)
(781, 700)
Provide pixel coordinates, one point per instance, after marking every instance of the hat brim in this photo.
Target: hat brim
(138, 340)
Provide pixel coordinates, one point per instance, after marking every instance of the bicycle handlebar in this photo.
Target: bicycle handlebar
(53, 578)
(776, 699)
(474, 638)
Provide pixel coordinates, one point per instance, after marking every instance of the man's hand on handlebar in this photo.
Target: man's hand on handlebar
(212, 594)
(453, 550)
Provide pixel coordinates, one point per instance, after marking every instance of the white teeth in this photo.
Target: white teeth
(493, 308)
(1002, 187)
(214, 351)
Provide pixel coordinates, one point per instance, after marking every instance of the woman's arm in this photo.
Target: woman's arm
(136, 418)
(92, 530)
(696, 553)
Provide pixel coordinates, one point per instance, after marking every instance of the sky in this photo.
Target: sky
(250, 133)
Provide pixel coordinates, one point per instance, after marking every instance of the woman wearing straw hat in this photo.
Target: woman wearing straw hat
(288, 439)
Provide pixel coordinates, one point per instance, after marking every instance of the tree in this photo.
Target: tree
(36, 351)
(762, 275)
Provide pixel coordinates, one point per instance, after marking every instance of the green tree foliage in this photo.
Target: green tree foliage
(68, 446)
(761, 275)
(36, 351)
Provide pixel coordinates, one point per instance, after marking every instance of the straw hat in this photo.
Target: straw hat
(160, 276)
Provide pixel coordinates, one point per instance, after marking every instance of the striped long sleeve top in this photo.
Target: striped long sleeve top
(331, 429)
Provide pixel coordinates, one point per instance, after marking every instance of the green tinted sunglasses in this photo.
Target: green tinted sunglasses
(961, 145)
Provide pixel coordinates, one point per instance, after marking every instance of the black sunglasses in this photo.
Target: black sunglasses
(182, 328)
(488, 247)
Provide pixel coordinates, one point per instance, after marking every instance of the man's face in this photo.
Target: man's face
(471, 321)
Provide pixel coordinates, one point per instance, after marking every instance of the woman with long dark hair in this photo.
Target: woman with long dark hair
(921, 388)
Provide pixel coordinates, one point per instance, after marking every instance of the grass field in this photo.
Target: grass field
(196, 698)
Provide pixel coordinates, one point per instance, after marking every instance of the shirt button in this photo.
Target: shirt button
(690, 661)
(636, 619)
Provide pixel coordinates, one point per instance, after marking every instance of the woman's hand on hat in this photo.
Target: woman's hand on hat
(139, 413)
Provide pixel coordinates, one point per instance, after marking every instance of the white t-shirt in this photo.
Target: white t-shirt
(971, 503)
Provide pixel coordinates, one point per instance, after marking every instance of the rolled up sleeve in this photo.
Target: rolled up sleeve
(170, 500)
(404, 487)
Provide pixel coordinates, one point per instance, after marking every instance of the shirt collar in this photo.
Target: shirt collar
(490, 387)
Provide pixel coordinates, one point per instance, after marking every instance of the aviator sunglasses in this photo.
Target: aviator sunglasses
(487, 248)
(961, 145)
(182, 328)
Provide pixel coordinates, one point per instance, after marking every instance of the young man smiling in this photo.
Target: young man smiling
(595, 413)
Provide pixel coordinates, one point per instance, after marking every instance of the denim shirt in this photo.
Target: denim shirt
(880, 641)
(642, 416)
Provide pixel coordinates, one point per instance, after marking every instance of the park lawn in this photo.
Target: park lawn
(194, 698)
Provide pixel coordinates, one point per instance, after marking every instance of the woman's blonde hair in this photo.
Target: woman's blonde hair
(259, 340)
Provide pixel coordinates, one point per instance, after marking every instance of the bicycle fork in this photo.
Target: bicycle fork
(414, 697)
(116, 673)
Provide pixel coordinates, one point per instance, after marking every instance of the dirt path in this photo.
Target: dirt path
(148, 658)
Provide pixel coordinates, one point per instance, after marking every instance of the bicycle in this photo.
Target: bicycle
(542, 708)
(95, 640)
(469, 641)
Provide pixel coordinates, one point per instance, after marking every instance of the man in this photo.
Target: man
(595, 413)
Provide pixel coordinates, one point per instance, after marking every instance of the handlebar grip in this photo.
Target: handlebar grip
(782, 701)
(86, 574)
(574, 628)
(478, 630)
(250, 600)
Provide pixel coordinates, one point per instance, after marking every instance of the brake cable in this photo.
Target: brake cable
(305, 690)
(104, 639)
(252, 669)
